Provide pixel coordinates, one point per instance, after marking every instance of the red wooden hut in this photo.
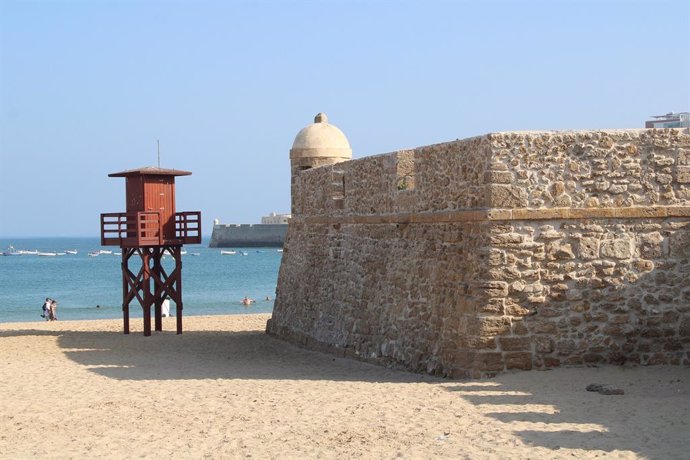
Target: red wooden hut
(151, 228)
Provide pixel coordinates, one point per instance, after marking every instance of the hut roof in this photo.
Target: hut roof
(150, 171)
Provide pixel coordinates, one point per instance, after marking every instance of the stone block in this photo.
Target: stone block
(504, 273)
(619, 248)
(506, 238)
(566, 347)
(673, 345)
(558, 188)
(543, 344)
(543, 327)
(497, 257)
(679, 243)
(492, 306)
(490, 326)
(491, 362)
(684, 157)
(551, 362)
(518, 327)
(498, 177)
(574, 294)
(515, 309)
(650, 245)
(619, 319)
(618, 330)
(684, 327)
(473, 342)
(493, 288)
(589, 248)
(506, 196)
(683, 174)
(656, 359)
(558, 251)
(518, 361)
(563, 201)
(515, 343)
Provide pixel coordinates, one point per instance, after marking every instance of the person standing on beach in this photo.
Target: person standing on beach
(165, 307)
(46, 309)
(53, 310)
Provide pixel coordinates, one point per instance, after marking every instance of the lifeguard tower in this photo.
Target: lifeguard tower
(151, 228)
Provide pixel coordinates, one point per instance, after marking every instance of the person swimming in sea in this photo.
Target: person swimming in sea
(247, 301)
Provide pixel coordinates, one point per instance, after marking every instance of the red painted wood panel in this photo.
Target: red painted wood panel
(159, 196)
(135, 194)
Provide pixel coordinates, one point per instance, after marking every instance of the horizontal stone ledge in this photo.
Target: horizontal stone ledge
(497, 215)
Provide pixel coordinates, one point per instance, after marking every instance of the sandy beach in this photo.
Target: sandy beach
(224, 389)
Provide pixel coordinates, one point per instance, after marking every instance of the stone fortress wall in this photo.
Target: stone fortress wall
(247, 235)
(505, 251)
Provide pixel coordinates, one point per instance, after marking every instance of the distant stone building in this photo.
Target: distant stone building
(505, 251)
(274, 218)
(670, 120)
(269, 233)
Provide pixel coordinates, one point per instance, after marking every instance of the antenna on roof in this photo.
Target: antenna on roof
(158, 143)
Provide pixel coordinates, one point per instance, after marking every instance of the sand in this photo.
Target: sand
(224, 389)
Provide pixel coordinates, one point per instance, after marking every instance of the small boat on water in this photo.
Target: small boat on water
(28, 253)
(244, 253)
(11, 252)
(228, 253)
(94, 253)
(71, 251)
(47, 254)
(103, 251)
(183, 252)
(117, 253)
(279, 250)
(195, 254)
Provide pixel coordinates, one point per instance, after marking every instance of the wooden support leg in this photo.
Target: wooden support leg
(178, 304)
(157, 298)
(146, 287)
(125, 318)
(178, 315)
(147, 321)
(125, 304)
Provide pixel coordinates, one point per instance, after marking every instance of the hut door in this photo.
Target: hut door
(163, 201)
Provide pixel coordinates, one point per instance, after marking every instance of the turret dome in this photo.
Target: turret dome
(321, 140)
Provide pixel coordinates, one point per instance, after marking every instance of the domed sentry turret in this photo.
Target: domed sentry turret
(318, 144)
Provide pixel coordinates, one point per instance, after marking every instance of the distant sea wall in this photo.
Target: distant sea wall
(248, 235)
(504, 251)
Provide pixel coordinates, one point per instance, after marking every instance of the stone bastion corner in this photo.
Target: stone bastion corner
(524, 250)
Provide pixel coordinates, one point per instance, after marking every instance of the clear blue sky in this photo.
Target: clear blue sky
(86, 88)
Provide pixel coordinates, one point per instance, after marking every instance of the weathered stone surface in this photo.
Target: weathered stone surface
(498, 177)
(683, 174)
(619, 248)
(589, 248)
(518, 361)
(506, 196)
(509, 251)
(515, 343)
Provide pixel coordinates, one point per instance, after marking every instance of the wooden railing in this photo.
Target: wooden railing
(146, 229)
(188, 227)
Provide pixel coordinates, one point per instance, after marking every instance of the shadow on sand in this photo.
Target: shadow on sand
(552, 408)
(209, 355)
(650, 419)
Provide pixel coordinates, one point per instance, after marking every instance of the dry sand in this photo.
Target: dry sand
(224, 389)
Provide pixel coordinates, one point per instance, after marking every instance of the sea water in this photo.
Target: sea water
(89, 287)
